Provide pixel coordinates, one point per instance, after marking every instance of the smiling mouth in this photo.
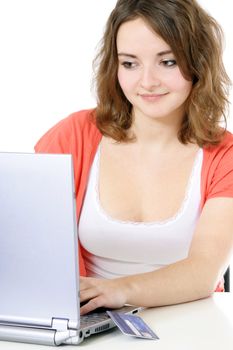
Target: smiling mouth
(154, 94)
(153, 97)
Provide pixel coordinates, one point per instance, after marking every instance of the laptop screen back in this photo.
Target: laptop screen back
(38, 239)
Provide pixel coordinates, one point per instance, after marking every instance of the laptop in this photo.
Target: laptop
(39, 272)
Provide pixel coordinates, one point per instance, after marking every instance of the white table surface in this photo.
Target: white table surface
(201, 325)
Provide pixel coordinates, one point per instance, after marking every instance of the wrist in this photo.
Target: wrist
(130, 289)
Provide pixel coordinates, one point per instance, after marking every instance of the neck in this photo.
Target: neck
(157, 131)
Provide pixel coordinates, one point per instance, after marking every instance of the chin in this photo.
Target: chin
(153, 114)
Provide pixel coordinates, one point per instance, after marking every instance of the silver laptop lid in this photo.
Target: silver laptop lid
(38, 240)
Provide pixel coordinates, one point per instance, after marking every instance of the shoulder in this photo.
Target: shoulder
(77, 128)
(217, 169)
(227, 140)
(83, 120)
(222, 150)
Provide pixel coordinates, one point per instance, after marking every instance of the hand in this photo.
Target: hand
(102, 293)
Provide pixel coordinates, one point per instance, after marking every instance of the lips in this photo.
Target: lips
(153, 97)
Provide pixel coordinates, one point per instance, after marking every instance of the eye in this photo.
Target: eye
(128, 64)
(169, 63)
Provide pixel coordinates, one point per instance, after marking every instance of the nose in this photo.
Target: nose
(149, 79)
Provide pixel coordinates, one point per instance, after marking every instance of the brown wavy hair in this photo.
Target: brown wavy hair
(196, 40)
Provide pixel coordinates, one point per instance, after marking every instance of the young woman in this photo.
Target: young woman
(153, 164)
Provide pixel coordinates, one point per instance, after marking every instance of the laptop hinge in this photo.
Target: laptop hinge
(61, 326)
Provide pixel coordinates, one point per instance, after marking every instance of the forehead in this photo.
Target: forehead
(136, 35)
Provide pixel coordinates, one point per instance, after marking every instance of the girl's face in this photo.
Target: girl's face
(148, 73)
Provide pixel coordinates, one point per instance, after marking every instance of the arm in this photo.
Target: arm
(190, 279)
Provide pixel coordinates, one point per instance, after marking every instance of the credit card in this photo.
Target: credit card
(132, 325)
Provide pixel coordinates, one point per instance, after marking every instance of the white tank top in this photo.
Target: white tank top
(114, 248)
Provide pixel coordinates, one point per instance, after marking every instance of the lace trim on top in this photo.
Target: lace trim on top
(172, 219)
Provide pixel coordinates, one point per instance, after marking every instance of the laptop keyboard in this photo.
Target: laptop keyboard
(93, 318)
(99, 315)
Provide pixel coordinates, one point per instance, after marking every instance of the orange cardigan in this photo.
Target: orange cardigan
(79, 136)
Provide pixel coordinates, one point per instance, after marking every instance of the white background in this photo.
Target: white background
(46, 53)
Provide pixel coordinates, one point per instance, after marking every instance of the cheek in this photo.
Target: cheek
(122, 80)
(184, 87)
(126, 81)
(177, 83)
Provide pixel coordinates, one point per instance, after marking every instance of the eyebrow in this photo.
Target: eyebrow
(162, 53)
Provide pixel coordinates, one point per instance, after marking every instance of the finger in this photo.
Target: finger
(88, 294)
(92, 305)
(85, 283)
